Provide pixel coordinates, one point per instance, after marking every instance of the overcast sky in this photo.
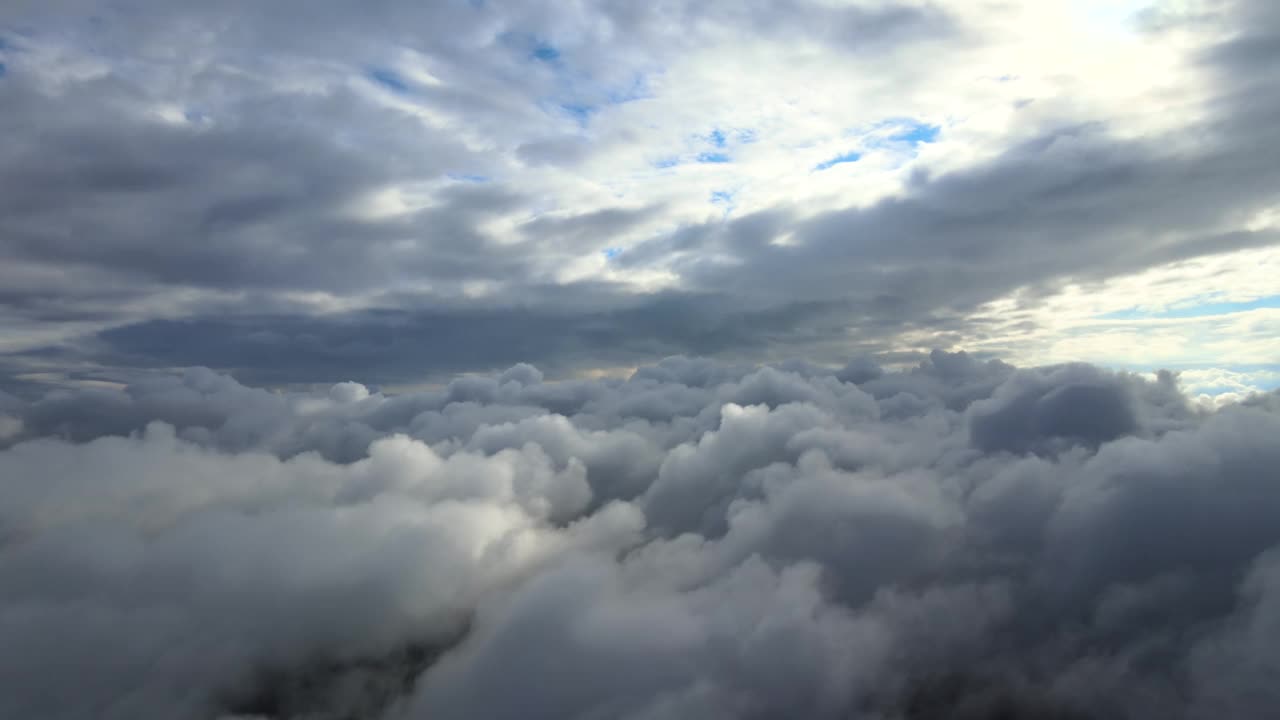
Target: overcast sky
(397, 192)
(621, 360)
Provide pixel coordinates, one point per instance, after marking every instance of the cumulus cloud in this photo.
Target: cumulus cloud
(954, 539)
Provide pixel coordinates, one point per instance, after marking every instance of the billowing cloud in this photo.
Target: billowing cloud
(956, 539)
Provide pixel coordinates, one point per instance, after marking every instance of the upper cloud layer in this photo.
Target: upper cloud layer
(407, 192)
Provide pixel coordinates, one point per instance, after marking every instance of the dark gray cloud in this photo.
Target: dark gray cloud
(405, 345)
(1034, 412)
(235, 208)
(958, 539)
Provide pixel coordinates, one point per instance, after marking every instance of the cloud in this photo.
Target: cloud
(1030, 410)
(264, 191)
(649, 421)
(697, 540)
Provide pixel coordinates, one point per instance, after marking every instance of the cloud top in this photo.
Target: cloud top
(955, 539)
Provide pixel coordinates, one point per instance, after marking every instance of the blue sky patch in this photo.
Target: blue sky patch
(612, 252)
(389, 79)
(637, 90)
(464, 177)
(545, 53)
(713, 157)
(915, 133)
(667, 162)
(581, 113)
(1206, 309)
(848, 157)
(530, 46)
(726, 199)
(716, 138)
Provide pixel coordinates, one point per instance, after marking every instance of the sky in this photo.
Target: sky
(401, 192)
(608, 360)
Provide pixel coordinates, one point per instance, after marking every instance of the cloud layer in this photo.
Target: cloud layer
(961, 539)
(406, 192)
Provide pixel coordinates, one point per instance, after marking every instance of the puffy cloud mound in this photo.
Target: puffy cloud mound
(961, 539)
